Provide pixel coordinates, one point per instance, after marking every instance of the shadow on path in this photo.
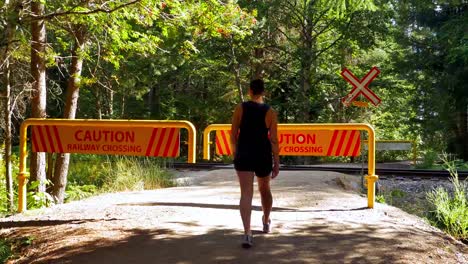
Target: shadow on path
(317, 243)
(236, 207)
(40, 223)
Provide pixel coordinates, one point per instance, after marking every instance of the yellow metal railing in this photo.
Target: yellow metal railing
(371, 178)
(23, 175)
(206, 137)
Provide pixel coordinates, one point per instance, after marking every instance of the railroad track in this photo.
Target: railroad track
(382, 172)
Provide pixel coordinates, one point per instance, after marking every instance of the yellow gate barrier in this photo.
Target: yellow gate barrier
(296, 140)
(116, 137)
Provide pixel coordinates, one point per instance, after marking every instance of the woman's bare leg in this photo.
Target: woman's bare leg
(266, 197)
(245, 203)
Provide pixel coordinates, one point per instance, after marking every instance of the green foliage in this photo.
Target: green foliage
(37, 199)
(11, 248)
(3, 196)
(133, 174)
(3, 189)
(92, 174)
(77, 192)
(432, 34)
(5, 250)
(86, 170)
(391, 197)
(430, 158)
(393, 155)
(380, 198)
(450, 209)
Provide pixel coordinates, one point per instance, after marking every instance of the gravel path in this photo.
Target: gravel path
(318, 218)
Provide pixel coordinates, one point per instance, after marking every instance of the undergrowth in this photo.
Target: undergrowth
(11, 248)
(133, 174)
(449, 209)
(89, 175)
(92, 174)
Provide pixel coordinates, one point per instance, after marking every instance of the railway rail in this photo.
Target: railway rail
(381, 172)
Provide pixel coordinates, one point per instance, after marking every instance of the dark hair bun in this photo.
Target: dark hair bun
(257, 86)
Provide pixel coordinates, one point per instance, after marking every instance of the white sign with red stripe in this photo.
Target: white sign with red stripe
(360, 86)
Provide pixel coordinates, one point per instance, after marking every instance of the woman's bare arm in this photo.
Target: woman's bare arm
(236, 119)
(274, 141)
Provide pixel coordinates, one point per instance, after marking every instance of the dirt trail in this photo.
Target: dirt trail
(316, 219)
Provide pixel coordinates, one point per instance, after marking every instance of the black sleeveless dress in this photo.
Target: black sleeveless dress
(253, 152)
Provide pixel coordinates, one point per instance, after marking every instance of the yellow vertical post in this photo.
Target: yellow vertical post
(192, 136)
(23, 176)
(206, 143)
(371, 177)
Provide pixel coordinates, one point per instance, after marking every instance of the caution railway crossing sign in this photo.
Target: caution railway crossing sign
(360, 86)
(337, 142)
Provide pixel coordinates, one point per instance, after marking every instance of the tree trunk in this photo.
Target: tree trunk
(73, 89)
(8, 135)
(6, 95)
(98, 103)
(237, 69)
(122, 111)
(308, 53)
(239, 84)
(258, 63)
(110, 105)
(38, 72)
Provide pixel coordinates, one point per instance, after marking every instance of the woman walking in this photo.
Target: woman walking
(255, 143)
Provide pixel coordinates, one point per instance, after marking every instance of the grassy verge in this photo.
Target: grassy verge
(92, 174)
(449, 209)
(445, 207)
(434, 161)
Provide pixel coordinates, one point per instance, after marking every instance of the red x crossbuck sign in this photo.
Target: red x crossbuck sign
(360, 86)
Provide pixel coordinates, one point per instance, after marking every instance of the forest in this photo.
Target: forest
(193, 60)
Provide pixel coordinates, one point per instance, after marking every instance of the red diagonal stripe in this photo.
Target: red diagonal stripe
(332, 143)
(350, 142)
(177, 145)
(357, 145)
(34, 139)
(343, 136)
(57, 137)
(225, 141)
(51, 142)
(151, 142)
(42, 139)
(218, 145)
(160, 140)
(169, 142)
